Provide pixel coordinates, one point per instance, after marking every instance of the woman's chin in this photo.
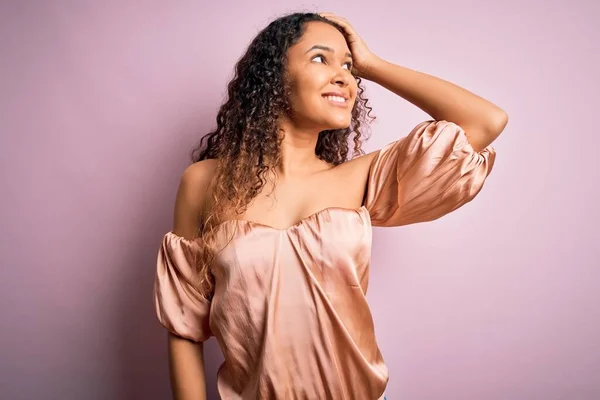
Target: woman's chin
(338, 124)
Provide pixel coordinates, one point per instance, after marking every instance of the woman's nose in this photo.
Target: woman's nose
(340, 79)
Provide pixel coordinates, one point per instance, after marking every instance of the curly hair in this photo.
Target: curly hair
(246, 142)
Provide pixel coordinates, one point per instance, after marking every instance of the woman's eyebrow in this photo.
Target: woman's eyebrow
(326, 48)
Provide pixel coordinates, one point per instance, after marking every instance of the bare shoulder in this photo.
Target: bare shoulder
(198, 174)
(347, 181)
(192, 197)
(357, 168)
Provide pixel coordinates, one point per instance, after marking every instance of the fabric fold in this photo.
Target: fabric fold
(179, 306)
(425, 175)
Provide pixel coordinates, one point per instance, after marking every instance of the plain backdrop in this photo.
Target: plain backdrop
(101, 102)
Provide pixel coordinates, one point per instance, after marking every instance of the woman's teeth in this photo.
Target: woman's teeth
(336, 99)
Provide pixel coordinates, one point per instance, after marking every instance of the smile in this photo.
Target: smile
(336, 100)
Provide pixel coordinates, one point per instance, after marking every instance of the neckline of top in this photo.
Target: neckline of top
(301, 222)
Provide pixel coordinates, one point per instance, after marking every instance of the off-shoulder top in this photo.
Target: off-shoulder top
(289, 309)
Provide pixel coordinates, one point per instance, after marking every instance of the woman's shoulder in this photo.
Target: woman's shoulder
(201, 170)
(356, 168)
(193, 196)
(196, 179)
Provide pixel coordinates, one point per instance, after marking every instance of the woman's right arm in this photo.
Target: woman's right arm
(186, 357)
(186, 368)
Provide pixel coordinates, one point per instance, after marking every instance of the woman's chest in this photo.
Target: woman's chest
(333, 245)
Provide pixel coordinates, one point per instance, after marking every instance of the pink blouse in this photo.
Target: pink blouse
(289, 309)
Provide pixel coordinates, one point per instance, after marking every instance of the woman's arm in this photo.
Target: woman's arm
(481, 120)
(443, 100)
(186, 358)
(186, 368)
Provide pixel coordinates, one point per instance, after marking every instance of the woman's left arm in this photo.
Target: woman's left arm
(481, 120)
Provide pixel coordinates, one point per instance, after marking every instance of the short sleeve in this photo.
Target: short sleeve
(179, 306)
(425, 175)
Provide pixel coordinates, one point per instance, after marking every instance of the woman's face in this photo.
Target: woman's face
(323, 89)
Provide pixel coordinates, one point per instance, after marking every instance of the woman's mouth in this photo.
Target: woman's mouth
(336, 100)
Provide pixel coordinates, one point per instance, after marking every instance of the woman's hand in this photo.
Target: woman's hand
(362, 57)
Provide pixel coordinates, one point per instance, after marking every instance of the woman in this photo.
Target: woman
(270, 248)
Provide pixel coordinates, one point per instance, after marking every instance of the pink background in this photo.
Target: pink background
(102, 101)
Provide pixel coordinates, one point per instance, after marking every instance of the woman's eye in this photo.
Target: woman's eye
(322, 58)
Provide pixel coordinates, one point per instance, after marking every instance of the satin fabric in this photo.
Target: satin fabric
(289, 309)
